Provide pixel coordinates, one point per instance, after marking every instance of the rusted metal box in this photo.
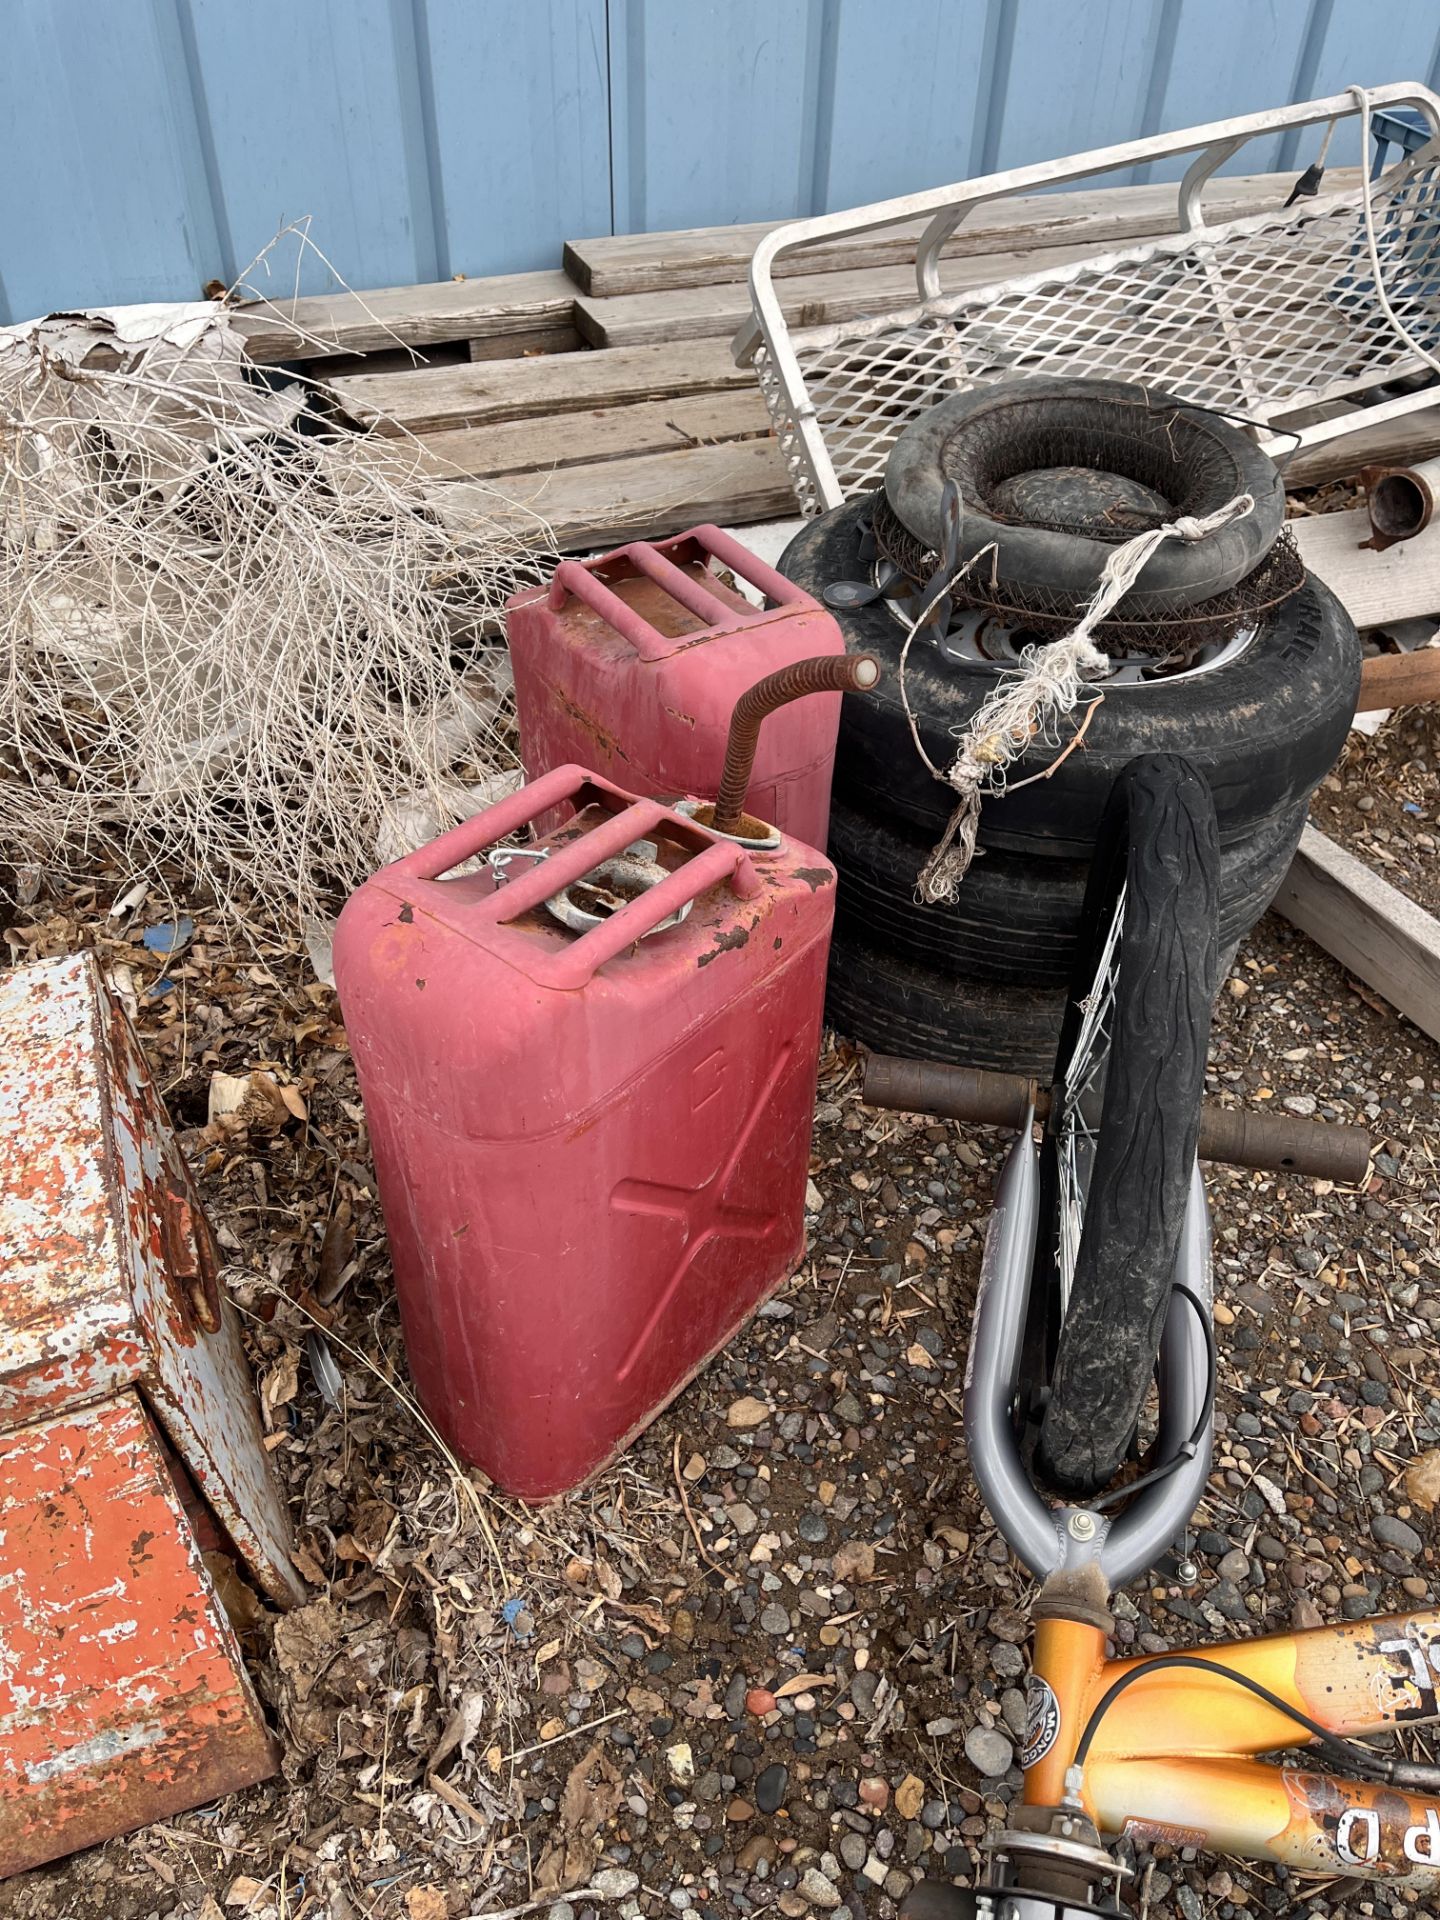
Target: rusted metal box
(113, 1329)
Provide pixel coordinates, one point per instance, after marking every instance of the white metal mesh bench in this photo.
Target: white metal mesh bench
(1261, 317)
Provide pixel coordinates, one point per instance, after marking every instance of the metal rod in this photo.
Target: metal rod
(1273, 1143)
(827, 673)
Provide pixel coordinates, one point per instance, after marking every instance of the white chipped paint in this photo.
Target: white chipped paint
(118, 1630)
(98, 1751)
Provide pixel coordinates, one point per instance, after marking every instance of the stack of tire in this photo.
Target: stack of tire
(982, 982)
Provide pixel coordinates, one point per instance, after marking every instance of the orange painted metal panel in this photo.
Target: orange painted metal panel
(123, 1697)
(110, 1275)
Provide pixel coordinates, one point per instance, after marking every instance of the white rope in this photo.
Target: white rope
(1045, 685)
(1362, 99)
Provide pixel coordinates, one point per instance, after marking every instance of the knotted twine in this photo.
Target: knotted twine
(1032, 697)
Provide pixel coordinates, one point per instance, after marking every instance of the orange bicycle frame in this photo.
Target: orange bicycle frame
(1173, 1758)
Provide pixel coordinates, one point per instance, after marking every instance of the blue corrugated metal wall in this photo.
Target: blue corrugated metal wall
(150, 146)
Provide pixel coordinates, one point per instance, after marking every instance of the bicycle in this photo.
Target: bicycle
(1095, 1282)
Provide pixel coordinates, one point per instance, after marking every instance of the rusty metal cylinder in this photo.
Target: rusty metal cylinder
(1271, 1143)
(1402, 500)
(826, 673)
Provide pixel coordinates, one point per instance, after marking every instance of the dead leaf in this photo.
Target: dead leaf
(594, 1788)
(748, 1412)
(336, 1264)
(247, 1103)
(243, 1892)
(1422, 1481)
(282, 1381)
(461, 1728)
(801, 1683)
(294, 1100)
(854, 1560)
(427, 1903)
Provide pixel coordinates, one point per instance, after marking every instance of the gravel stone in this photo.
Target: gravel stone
(1396, 1533)
(988, 1751)
(770, 1788)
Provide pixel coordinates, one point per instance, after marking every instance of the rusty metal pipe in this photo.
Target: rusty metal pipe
(1401, 500)
(828, 673)
(1271, 1143)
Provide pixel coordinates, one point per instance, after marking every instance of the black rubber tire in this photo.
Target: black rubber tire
(893, 1006)
(1263, 730)
(1195, 461)
(1017, 918)
(1158, 841)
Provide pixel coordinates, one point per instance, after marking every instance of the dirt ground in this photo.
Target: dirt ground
(774, 1659)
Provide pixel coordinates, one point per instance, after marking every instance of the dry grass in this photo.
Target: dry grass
(226, 643)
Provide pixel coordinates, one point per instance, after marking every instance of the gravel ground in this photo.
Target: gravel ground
(774, 1660)
(1381, 802)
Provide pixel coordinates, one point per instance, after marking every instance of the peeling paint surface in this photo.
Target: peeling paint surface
(110, 1270)
(123, 1698)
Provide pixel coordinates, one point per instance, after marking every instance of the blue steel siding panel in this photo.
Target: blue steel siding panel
(153, 145)
(1233, 57)
(314, 110)
(520, 106)
(1076, 78)
(713, 110)
(902, 98)
(104, 198)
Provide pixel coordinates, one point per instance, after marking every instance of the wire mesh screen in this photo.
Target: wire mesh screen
(1258, 316)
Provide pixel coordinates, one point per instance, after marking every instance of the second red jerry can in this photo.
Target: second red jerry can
(591, 1133)
(632, 664)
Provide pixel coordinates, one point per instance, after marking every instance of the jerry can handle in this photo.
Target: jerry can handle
(507, 816)
(714, 860)
(577, 964)
(571, 576)
(750, 567)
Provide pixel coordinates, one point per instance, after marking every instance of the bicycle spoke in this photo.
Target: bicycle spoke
(1081, 1093)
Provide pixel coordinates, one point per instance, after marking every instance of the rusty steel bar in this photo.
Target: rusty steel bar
(827, 673)
(1278, 1143)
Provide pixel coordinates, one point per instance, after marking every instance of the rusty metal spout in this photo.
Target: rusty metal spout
(828, 673)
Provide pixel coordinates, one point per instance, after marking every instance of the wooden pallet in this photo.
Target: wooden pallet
(605, 398)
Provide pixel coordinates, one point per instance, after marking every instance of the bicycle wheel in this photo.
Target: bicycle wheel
(1119, 1146)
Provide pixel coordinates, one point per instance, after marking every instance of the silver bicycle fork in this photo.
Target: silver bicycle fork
(1051, 1539)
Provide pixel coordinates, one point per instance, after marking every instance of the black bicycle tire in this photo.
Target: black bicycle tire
(1158, 838)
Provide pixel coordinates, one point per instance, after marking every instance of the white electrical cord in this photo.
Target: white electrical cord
(1361, 96)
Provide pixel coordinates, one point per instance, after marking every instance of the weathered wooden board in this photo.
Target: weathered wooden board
(646, 496)
(1398, 584)
(431, 399)
(1370, 927)
(576, 438)
(1098, 217)
(1400, 442)
(1399, 680)
(809, 300)
(326, 323)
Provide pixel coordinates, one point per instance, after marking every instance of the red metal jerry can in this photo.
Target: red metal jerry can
(591, 1145)
(632, 664)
